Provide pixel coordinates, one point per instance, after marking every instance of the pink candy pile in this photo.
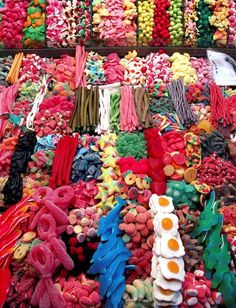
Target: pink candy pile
(84, 194)
(22, 108)
(62, 70)
(203, 70)
(79, 291)
(56, 22)
(13, 18)
(232, 25)
(5, 162)
(23, 282)
(53, 116)
(138, 227)
(197, 291)
(114, 72)
(116, 24)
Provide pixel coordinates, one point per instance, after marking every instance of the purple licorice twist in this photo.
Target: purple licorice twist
(176, 90)
(47, 232)
(45, 294)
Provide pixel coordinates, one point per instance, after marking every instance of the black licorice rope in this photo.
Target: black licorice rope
(177, 93)
(24, 149)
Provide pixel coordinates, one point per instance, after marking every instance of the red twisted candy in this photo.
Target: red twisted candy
(47, 231)
(45, 294)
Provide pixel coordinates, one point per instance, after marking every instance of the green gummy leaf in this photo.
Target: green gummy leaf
(222, 266)
(208, 217)
(213, 242)
(228, 289)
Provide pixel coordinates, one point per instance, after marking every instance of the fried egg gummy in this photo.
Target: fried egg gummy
(167, 263)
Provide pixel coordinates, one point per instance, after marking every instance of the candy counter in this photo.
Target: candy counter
(117, 179)
(65, 23)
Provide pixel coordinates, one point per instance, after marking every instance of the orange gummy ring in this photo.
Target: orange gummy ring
(169, 170)
(130, 179)
(190, 174)
(139, 183)
(146, 183)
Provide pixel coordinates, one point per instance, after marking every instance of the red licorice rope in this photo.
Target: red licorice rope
(219, 107)
(128, 116)
(62, 163)
(80, 57)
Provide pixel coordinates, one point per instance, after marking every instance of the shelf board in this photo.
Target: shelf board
(122, 51)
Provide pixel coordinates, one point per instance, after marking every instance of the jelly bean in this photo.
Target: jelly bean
(145, 21)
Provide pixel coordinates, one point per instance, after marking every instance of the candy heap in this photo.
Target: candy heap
(13, 17)
(205, 30)
(176, 22)
(77, 17)
(219, 20)
(145, 21)
(190, 23)
(232, 24)
(34, 27)
(160, 33)
(79, 290)
(114, 22)
(5, 66)
(125, 173)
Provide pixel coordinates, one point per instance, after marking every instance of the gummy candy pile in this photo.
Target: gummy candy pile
(65, 23)
(117, 180)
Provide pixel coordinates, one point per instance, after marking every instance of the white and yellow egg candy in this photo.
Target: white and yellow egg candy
(167, 296)
(168, 251)
(172, 268)
(171, 246)
(165, 223)
(167, 284)
(161, 204)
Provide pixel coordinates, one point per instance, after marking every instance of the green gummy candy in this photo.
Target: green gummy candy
(208, 218)
(222, 266)
(213, 241)
(228, 289)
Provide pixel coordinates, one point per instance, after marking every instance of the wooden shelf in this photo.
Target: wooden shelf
(122, 51)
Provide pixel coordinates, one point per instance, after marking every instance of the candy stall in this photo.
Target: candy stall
(117, 153)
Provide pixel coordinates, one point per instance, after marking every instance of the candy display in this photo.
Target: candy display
(67, 23)
(117, 173)
(146, 22)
